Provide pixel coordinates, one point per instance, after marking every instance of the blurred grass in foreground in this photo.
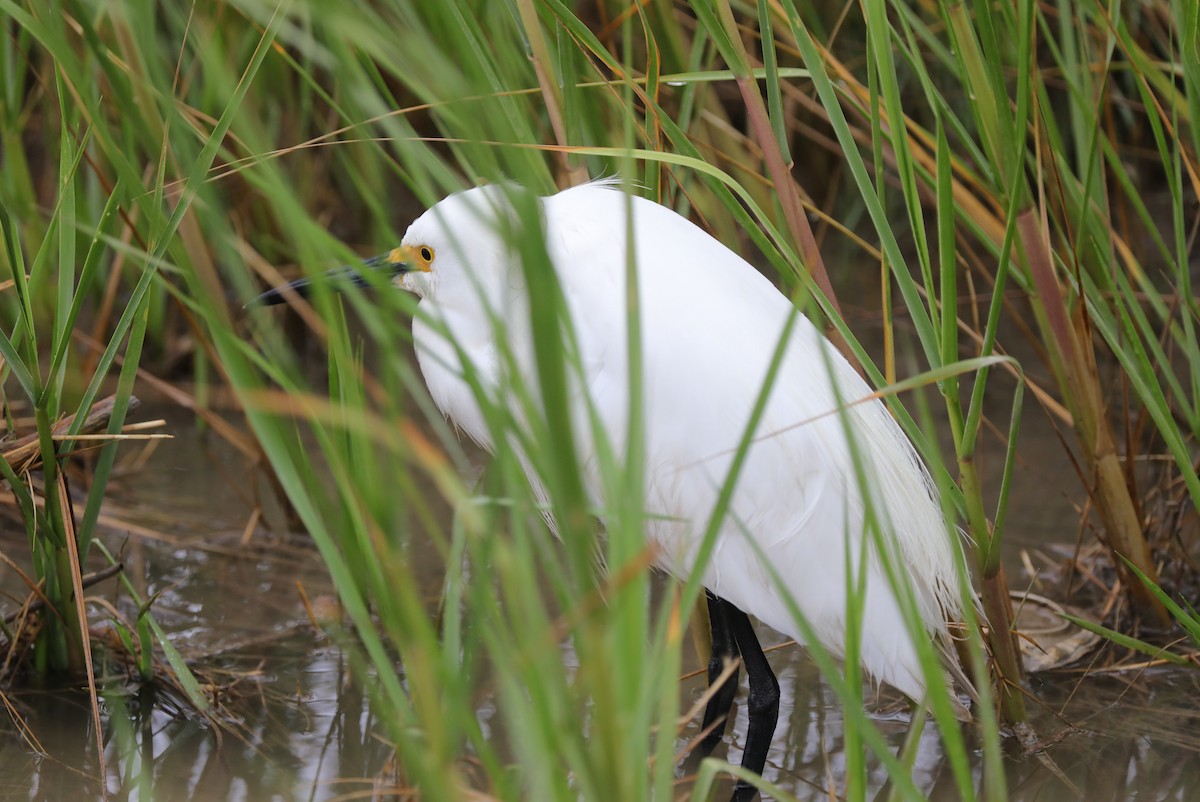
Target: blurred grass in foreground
(158, 160)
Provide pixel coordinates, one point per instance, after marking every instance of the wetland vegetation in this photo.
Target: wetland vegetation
(243, 555)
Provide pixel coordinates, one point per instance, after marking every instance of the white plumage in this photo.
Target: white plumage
(710, 323)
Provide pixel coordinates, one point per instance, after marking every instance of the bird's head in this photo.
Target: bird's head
(457, 245)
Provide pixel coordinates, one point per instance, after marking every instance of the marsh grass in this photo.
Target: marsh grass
(159, 160)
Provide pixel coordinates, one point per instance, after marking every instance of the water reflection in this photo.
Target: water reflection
(315, 745)
(1113, 738)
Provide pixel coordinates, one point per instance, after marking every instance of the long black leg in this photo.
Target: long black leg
(724, 648)
(763, 707)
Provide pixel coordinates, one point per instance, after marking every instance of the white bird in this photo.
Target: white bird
(710, 324)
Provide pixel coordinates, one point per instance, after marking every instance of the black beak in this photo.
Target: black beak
(372, 272)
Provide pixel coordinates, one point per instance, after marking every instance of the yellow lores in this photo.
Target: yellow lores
(417, 257)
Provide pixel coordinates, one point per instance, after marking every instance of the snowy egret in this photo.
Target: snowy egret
(710, 324)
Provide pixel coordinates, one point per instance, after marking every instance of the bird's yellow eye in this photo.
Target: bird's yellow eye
(426, 254)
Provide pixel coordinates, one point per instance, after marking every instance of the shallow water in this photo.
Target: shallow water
(305, 728)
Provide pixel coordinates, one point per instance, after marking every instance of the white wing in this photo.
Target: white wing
(710, 325)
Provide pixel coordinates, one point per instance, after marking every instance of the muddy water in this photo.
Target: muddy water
(302, 728)
(305, 729)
